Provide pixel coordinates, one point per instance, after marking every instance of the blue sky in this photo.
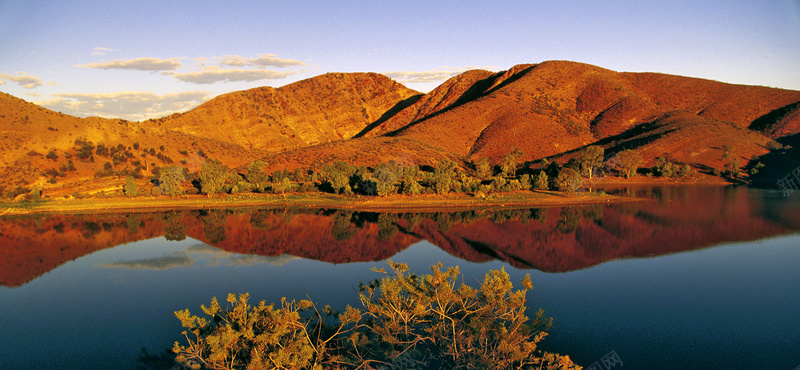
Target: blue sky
(143, 59)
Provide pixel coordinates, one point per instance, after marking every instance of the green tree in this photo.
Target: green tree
(130, 188)
(568, 180)
(214, 177)
(411, 187)
(255, 174)
(508, 164)
(591, 158)
(629, 161)
(385, 177)
(483, 168)
(170, 179)
(541, 182)
(443, 176)
(338, 175)
(732, 167)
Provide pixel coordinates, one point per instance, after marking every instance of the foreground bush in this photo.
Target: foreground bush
(407, 322)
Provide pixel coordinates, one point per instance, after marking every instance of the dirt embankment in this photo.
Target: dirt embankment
(395, 202)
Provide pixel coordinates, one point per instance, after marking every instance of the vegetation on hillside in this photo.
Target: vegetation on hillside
(480, 177)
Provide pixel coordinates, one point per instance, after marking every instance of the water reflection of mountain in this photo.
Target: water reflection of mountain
(547, 239)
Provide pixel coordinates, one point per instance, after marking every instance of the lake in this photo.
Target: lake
(695, 277)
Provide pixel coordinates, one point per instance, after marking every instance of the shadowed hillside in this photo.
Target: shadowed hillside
(556, 107)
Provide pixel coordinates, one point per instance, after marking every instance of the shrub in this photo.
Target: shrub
(541, 182)
(170, 179)
(426, 321)
(130, 188)
(411, 187)
(568, 180)
(483, 168)
(83, 148)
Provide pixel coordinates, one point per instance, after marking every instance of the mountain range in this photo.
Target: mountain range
(546, 110)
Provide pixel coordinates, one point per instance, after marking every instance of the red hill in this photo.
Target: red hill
(553, 108)
(549, 109)
(330, 107)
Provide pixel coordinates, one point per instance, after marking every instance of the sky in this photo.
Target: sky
(144, 59)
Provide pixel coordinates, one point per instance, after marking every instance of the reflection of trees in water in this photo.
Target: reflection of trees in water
(443, 221)
(569, 219)
(524, 215)
(412, 220)
(133, 223)
(345, 224)
(386, 226)
(213, 225)
(90, 229)
(261, 219)
(342, 228)
(593, 212)
(174, 229)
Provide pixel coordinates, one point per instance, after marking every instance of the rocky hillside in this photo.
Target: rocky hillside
(326, 108)
(555, 108)
(551, 109)
(235, 128)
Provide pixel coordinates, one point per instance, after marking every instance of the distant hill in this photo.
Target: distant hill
(234, 128)
(554, 108)
(330, 107)
(547, 110)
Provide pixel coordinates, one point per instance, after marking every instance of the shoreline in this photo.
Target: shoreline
(393, 203)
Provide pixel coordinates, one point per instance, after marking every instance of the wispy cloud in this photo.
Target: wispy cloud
(263, 60)
(230, 75)
(23, 79)
(140, 64)
(101, 50)
(132, 106)
(435, 75)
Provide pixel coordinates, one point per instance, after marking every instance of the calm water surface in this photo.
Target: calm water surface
(699, 277)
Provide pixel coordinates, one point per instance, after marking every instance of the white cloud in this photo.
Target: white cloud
(230, 75)
(435, 75)
(140, 64)
(101, 50)
(263, 60)
(23, 79)
(132, 106)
